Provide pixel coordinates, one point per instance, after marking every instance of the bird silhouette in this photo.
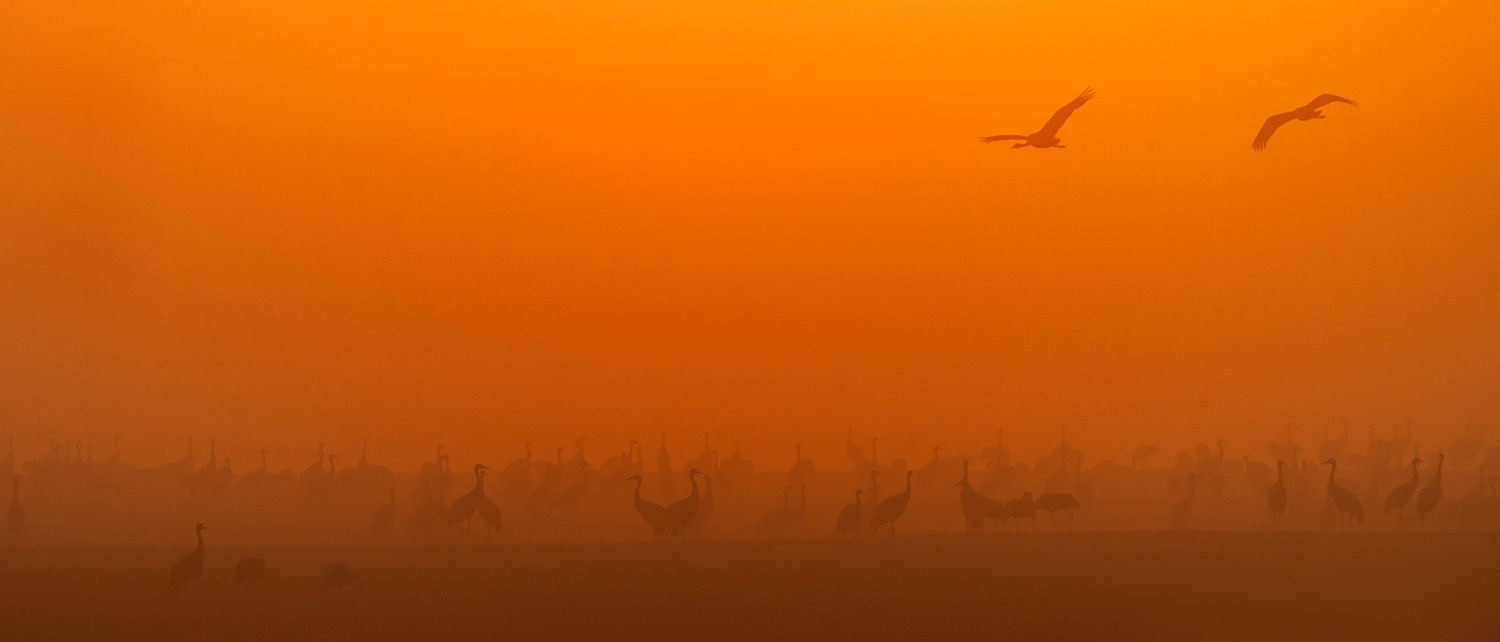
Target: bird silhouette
(517, 474)
(654, 514)
(190, 567)
(1047, 135)
(1310, 111)
(680, 513)
(1401, 495)
(1054, 502)
(778, 519)
(969, 503)
(705, 506)
(568, 498)
(664, 464)
(466, 506)
(337, 575)
(1182, 512)
(385, 516)
(1276, 495)
(802, 469)
(1432, 493)
(892, 508)
(848, 520)
(1019, 508)
(15, 518)
(249, 573)
(1347, 503)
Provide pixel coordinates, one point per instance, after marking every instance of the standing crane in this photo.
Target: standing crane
(1346, 502)
(1401, 495)
(849, 515)
(654, 514)
(892, 508)
(190, 567)
(1276, 496)
(1182, 513)
(1432, 493)
(385, 516)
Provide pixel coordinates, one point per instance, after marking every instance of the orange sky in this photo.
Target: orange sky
(284, 222)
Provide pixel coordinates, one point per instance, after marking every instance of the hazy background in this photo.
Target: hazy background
(485, 222)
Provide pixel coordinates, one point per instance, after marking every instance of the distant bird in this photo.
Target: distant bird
(664, 464)
(249, 573)
(190, 567)
(1023, 507)
(849, 515)
(1334, 448)
(337, 575)
(1310, 111)
(385, 516)
(680, 513)
(1343, 500)
(802, 469)
(475, 501)
(782, 518)
(654, 514)
(1432, 493)
(892, 508)
(929, 473)
(736, 466)
(705, 506)
(969, 503)
(255, 480)
(1401, 495)
(855, 453)
(15, 520)
(1182, 513)
(1053, 502)
(223, 478)
(1143, 454)
(1047, 135)
(1276, 496)
(569, 497)
(1466, 448)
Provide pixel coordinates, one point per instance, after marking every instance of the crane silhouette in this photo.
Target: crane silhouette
(705, 506)
(802, 469)
(654, 514)
(517, 474)
(1047, 135)
(664, 464)
(1182, 512)
(969, 503)
(569, 497)
(1432, 493)
(680, 513)
(190, 567)
(1401, 495)
(1023, 507)
(337, 575)
(385, 516)
(892, 508)
(1310, 111)
(249, 573)
(777, 519)
(1346, 502)
(849, 515)
(475, 501)
(15, 518)
(1276, 495)
(1054, 502)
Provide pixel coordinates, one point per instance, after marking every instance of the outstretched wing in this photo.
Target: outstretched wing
(991, 139)
(1269, 128)
(1050, 129)
(1328, 98)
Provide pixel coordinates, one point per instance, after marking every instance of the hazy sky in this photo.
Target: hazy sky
(478, 223)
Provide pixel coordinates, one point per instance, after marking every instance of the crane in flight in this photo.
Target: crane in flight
(1310, 111)
(1047, 135)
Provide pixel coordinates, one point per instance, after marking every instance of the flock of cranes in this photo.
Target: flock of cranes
(1047, 135)
(992, 490)
(559, 486)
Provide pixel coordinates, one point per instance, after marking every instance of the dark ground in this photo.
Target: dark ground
(1086, 585)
